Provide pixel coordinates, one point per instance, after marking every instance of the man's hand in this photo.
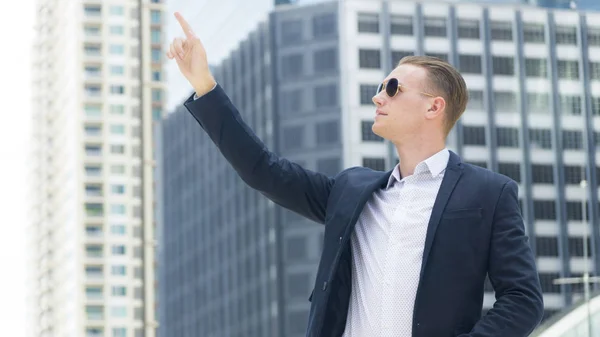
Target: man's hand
(191, 59)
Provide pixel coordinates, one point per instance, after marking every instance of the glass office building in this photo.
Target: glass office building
(237, 265)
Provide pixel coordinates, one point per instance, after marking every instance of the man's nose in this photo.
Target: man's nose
(378, 100)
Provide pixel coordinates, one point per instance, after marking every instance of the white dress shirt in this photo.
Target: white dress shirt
(387, 251)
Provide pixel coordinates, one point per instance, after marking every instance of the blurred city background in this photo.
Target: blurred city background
(130, 222)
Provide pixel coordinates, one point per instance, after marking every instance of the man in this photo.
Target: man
(406, 252)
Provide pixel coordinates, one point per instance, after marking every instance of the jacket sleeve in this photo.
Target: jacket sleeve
(519, 305)
(284, 182)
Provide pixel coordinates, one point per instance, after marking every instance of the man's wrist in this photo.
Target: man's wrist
(205, 87)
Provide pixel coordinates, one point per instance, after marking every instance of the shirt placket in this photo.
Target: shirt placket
(388, 300)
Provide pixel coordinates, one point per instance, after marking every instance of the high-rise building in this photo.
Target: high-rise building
(97, 94)
(304, 81)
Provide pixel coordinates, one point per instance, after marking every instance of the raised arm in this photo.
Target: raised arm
(282, 181)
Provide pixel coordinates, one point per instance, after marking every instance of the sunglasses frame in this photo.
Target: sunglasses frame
(383, 86)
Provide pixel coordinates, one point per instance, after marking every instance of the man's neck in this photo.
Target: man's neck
(411, 155)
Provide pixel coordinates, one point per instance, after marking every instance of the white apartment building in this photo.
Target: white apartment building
(97, 92)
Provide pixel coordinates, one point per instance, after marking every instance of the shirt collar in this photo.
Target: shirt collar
(435, 165)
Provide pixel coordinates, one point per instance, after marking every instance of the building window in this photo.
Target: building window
(441, 56)
(511, 170)
(92, 50)
(291, 32)
(93, 271)
(505, 101)
(293, 137)
(326, 95)
(474, 135)
(535, 67)
(377, 164)
(566, 35)
(93, 110)
(367, 91)
(116, 30)
(117, 149)
(501, 31)
(401, 25)
(117, 129)
(542, 174)
(324, 25)
(369, 58)
(573, 174)
(470, 64)
(292, 65)
(156, 95)
(576, 244)
(93, 130)
(546, 246)
(118, 270)
(93, 170)
(92, 10)
(572, 140)
(116, 10)
(117, 109)
(155, 17)
(117, 189)
(118, 312)
(93, 251)
(295, 248)
(570, 105)
(367, 132)
(507, 137)
(595, 70)
(328, 132)
(118, 250)
(117, 229)
(94, 209)
(117, 70)
(503, 65)
(117, 209)
(533, 33)
(93, 190)
(93, 150)
(117, 49)
(119, 291)
(117, 89)
(325, 60)
(298, 285)
(155, 35)
(475, 100)
(94, 312)
(468, 29)
(119, 332)
(156, 75)
(538, 103)
(593, 36)
(291, 101)
(481, 164)
(117, 169)
(368, 23)
(547, 282)
(568, 69)
(93, 293)
(156, 55)
(398, 55)
(435, 27)
(544, 210)
(329, 166)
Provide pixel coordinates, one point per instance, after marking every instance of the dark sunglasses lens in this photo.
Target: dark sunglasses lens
(392, 87)
(379, 88)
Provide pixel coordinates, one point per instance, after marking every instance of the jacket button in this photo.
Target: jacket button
(324, 285)
(340, 240)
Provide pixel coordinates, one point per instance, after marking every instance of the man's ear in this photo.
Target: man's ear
(436, 108)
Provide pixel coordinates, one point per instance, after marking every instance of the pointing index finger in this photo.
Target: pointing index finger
(187, 29)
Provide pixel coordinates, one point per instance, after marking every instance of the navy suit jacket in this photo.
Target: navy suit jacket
(476, 229)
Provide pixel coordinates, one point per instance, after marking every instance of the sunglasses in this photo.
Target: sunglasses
(393, 87)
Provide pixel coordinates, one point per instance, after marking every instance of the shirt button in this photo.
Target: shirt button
(324, 285)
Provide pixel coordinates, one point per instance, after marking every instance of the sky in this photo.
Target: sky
(16, 31)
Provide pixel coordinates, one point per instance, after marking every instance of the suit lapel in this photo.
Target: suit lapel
(451, 177)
